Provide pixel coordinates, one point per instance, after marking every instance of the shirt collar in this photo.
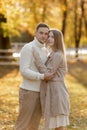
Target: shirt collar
(38, 43)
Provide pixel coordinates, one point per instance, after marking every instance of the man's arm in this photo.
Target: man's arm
(25, 61)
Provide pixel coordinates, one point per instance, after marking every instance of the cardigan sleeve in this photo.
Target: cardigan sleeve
(40, 65)
(25, 61)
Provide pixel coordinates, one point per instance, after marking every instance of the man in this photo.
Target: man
(29, 95)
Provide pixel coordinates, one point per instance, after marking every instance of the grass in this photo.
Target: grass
(76, 80)
(77, 85)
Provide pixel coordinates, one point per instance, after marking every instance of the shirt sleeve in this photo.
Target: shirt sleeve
(25, 62)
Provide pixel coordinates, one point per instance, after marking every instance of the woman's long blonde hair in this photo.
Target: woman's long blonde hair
(58, 41)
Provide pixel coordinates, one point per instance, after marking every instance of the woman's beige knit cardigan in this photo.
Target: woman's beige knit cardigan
(53, 94)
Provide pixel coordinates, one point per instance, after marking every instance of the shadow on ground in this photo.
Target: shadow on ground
(78, 69)
(4, 70)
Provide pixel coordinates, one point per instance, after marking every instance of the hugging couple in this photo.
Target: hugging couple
(43, 92)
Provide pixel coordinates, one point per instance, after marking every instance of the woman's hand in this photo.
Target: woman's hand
(48, 76)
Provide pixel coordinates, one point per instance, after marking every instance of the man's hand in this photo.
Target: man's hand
(48, 76)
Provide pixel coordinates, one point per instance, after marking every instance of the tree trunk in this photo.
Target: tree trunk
(44, 13)
(5, 42)
(84, 14)
(64, 18)
(77, 27)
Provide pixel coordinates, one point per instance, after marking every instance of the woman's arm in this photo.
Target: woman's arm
(57, 60)
(40, 65)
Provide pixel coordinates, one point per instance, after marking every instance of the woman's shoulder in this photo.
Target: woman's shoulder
(58, 54)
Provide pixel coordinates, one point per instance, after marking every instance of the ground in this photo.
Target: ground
(76, 80)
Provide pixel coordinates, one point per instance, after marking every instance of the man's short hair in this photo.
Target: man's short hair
(42, 25)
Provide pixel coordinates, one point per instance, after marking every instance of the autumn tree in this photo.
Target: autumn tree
(4, 39)
(78, 22)
(12, 20)
(65, 15)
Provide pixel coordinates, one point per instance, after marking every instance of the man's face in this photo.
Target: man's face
(42, 34)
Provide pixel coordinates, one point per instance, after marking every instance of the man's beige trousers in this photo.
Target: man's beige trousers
(29, 110)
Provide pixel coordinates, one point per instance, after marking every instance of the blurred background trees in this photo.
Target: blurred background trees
(19, 19)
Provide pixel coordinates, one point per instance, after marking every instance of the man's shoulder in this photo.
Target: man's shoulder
(27, 45)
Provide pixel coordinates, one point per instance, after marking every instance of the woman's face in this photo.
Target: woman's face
(50, 41)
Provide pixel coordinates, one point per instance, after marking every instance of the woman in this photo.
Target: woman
(54, 95)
